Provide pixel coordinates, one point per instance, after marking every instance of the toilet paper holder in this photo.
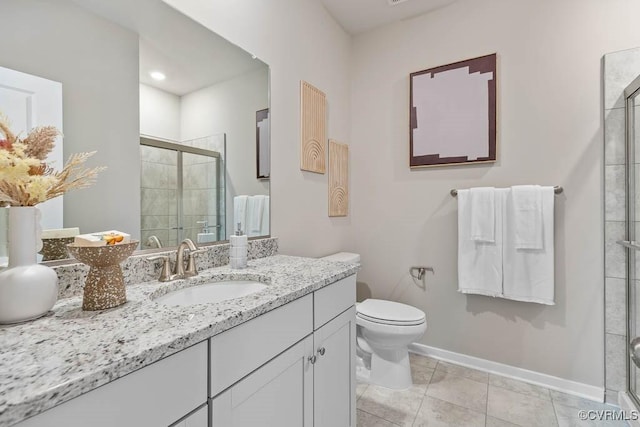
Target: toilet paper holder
(421, 272)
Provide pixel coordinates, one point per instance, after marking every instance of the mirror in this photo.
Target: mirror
(180, 150)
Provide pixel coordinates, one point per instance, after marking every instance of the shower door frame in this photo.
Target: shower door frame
(630, 93)
(150, 141)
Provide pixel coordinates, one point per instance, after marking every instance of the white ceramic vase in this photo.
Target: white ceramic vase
(28, 290)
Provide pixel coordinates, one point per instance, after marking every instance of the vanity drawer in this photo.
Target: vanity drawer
(332, 300)
(239, 351)
(156, 395)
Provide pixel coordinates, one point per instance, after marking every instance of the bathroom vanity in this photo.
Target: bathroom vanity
(283, 356)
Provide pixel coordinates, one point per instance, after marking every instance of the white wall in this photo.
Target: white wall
(300, 41)
(159, 113)
(549, 132)
(230, 107)
(97, 63)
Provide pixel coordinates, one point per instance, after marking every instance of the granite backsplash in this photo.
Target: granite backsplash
(137, 269)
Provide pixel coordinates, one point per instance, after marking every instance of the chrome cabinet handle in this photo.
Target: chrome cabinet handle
(312, 359)
(629, 244)
(321, 351)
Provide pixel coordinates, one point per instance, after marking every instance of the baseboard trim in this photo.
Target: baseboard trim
(536, 378)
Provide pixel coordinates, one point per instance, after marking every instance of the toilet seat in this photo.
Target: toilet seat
(389, 313)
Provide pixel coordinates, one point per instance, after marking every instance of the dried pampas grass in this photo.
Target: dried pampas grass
(25, 177)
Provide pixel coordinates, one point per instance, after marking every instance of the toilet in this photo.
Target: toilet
(384, 331)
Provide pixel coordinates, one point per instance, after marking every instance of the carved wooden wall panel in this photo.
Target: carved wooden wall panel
(314, 118)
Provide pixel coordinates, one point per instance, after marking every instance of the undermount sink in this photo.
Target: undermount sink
(211, 292)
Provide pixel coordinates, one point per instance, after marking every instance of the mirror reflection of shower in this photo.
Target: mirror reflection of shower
(182, 191)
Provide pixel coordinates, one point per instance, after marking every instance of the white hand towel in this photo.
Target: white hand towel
(240, 213)
(264, 229)
(255, 207)
(483, 214)
(529, 273)
(527, 211)
(479, 263)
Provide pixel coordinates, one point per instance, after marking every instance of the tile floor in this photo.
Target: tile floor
(444, 394)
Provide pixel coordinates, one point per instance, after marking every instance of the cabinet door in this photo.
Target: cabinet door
(199, 418)
(279, 394)
(334, 385)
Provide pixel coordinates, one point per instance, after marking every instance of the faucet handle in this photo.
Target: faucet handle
(191, 266)
(165, 273)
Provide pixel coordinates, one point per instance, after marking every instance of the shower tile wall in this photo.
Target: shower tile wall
(199, 193)
(200, 186)
(620, 68)
(158, 182)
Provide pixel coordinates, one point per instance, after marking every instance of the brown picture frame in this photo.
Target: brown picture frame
(459, 126)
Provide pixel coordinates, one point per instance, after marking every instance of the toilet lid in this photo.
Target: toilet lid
(389, 312)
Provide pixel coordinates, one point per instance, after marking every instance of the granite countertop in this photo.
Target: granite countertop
(51, 360)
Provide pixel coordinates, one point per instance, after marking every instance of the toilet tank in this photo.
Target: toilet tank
(344, 257)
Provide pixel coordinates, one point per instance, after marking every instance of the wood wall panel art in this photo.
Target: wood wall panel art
(338, 179)
(314, 118)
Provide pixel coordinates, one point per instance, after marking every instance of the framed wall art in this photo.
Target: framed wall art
(338, 179)
(313, 104)
(263, 142)
(453, 113)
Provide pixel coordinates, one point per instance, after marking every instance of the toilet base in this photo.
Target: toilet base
(390, 368)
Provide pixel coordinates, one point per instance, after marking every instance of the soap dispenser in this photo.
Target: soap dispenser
(238, 249)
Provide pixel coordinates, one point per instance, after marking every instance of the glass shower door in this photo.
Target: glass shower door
(158, 196)
(632, 241)
(201, 198)
(182, 194)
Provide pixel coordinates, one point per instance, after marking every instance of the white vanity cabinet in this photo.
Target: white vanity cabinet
(334, 383)
(290, 367)
(305, 375)
(280, 393)
(157, 395)
(199, 418)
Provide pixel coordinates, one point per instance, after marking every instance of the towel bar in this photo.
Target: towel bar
(557, 189)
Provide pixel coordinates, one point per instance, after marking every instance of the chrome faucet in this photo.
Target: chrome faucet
(179, 271)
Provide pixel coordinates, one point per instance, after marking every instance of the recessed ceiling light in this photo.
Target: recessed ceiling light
(157, 75)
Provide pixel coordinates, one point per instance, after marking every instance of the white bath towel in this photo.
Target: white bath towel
(483, 207)
(529, 273)
(527, 216)
(240, 212)
(264, 228)
(479, 263)
(255, 208)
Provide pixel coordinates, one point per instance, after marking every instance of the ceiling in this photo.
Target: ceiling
(358, 16)
(191, 56)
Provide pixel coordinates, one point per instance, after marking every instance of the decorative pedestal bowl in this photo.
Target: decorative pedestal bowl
(55, 248)
(104, 285)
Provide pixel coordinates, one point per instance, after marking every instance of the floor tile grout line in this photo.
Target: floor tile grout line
(377, 416)
(464, 367)
(415, 417)
(462, 376)
(439, 366)
(550, 399)
(486, 406)
(438, 362)
(555, 411)
(454, 404)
